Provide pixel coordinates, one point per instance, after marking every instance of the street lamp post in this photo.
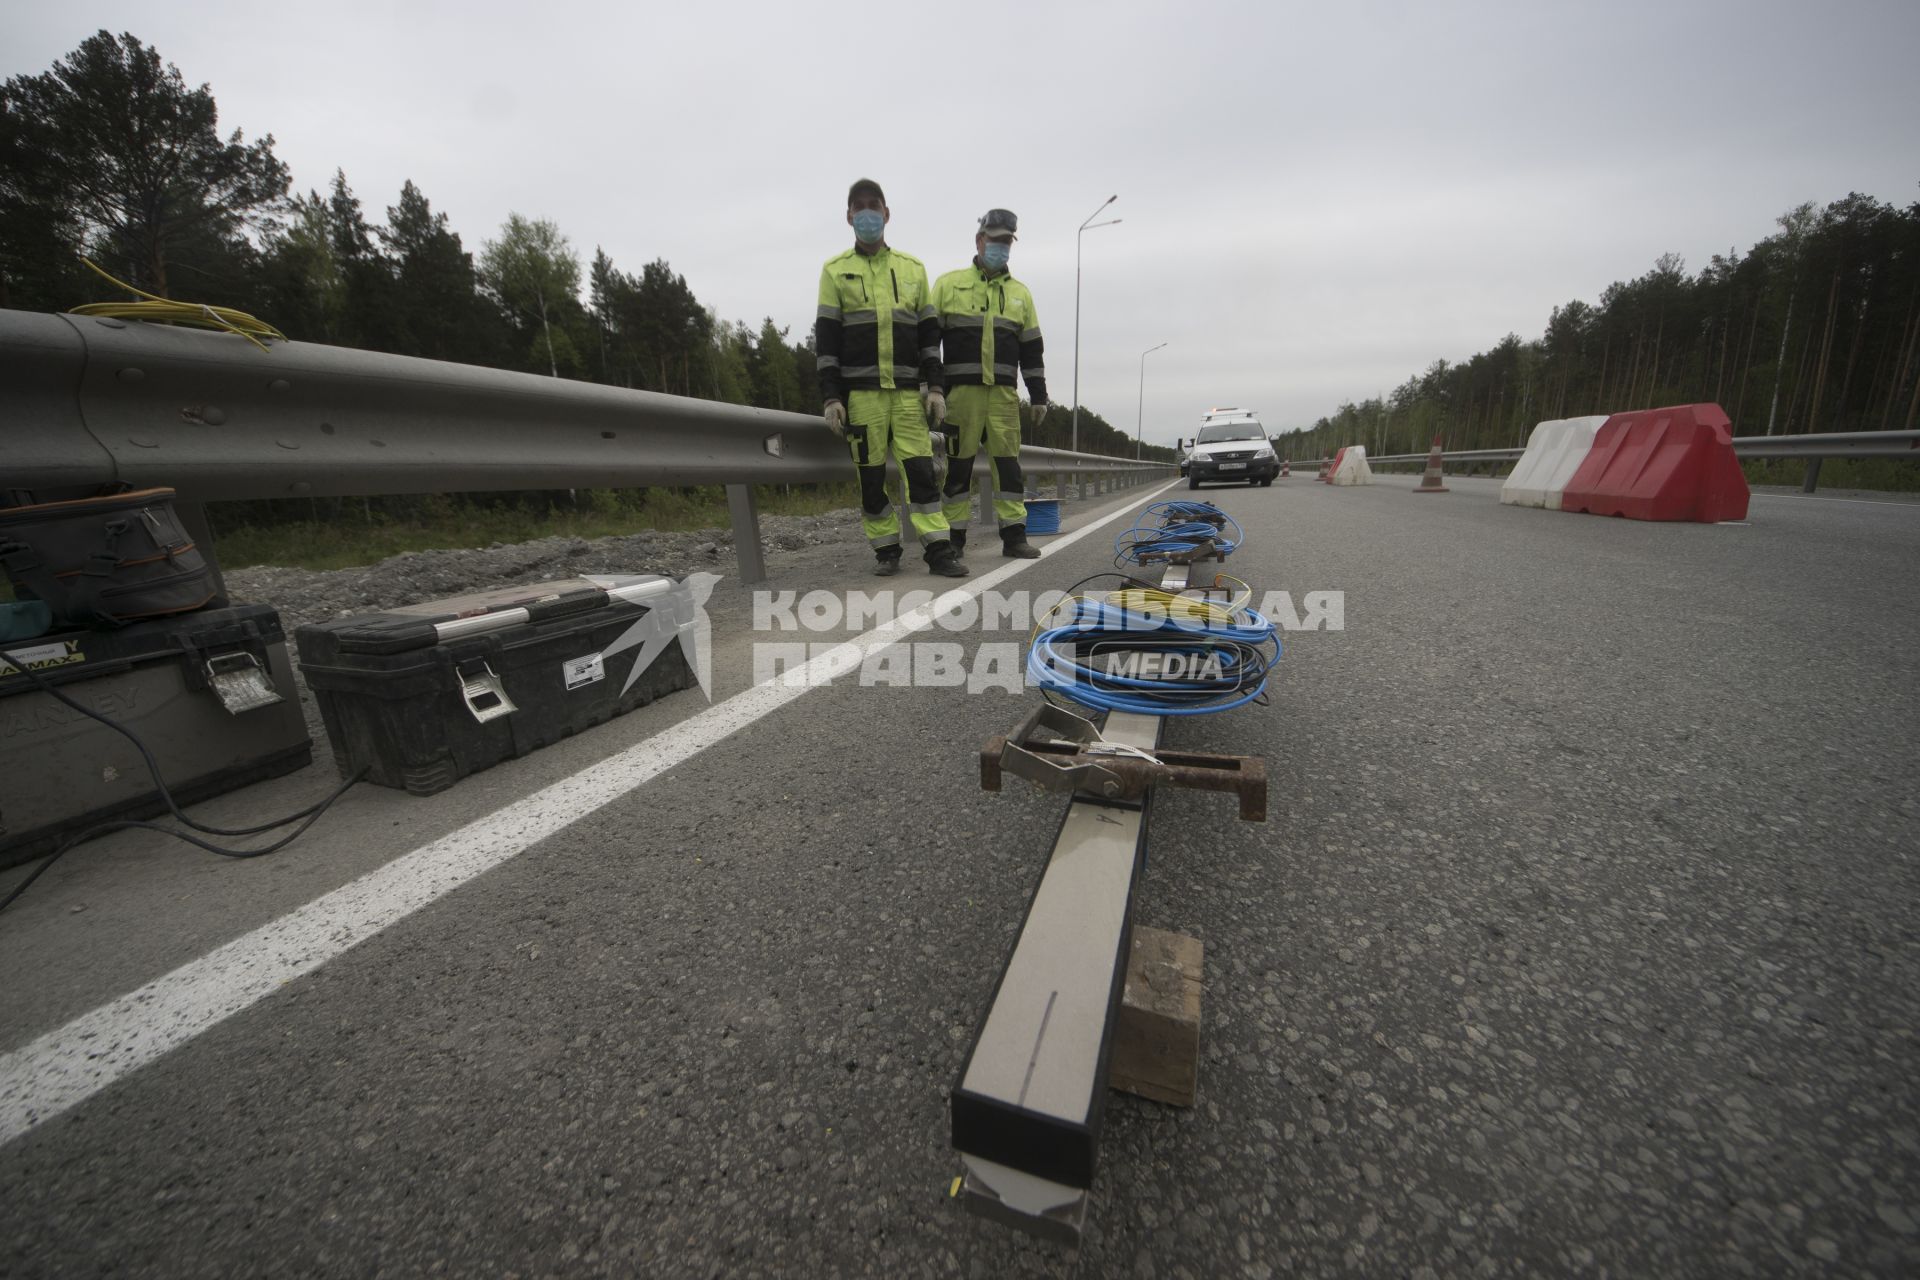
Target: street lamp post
(1088, 225)
(1140, 410)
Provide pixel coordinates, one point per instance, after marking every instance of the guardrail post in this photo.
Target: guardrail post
(744, 513)
(1813, 475)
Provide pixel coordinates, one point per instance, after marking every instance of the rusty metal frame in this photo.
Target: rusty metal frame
(1059, 751)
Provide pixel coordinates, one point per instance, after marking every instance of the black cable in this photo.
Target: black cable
(312, 815)
(306, 817)
(39, 682)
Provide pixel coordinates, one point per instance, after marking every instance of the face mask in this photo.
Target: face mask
(995, 255)
(869, 225)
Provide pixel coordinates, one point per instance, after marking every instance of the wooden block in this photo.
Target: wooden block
(1156, 1038)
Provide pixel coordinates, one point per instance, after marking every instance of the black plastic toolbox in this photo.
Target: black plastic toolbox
(424, 695)
(211, 693)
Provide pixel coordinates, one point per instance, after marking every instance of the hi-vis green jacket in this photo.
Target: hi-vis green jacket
(990, 330)
(876, 329)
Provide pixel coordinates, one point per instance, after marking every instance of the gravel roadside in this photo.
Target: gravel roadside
(317, 595)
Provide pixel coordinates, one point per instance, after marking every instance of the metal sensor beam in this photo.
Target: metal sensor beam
(1028, 1105)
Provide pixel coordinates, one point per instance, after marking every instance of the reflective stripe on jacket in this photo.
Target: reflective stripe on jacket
(876, 329)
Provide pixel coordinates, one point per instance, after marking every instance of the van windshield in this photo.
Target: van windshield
(1231, 431)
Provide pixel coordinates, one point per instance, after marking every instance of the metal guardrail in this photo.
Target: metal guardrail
(1831, 444)
(91, 401)
(1461, 456)
(1816, 448)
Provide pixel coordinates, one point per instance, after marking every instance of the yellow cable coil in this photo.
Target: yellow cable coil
(1178, 608)
(167, 311)
(1185, 608)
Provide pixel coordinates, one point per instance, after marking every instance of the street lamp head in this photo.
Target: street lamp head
(1074, 427)
(1096, 213)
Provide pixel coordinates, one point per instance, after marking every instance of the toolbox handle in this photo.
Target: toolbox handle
(484, 692)
(567, 603)
(240, 682)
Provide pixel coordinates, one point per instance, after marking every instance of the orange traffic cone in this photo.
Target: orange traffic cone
(1285, 465)
(1430, 481)
(1325, 469)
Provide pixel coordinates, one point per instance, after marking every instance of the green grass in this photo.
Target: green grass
(361, 535)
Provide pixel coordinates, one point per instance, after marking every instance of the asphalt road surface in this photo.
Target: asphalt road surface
(1580, 940)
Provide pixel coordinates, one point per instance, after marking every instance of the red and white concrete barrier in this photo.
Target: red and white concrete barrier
(1555, 451)
(1662, 464)
(1350, 467)
(1653, 464)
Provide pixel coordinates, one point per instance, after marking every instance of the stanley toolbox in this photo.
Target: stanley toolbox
(210, 693)
(424, 695)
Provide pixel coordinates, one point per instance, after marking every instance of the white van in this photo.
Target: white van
(1231, 445)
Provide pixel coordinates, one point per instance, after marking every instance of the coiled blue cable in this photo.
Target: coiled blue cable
(1055, 662)
(1176, 528)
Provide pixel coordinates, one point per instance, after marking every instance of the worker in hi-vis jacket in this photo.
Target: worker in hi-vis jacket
(990, 336)
(878, 346)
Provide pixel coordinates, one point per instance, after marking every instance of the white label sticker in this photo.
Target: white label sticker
(579, 671)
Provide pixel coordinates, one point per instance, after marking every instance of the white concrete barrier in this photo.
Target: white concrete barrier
(1353, 468)
(1555, 451)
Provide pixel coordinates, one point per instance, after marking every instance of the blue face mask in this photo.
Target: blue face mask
(994, 254)
(869, 225)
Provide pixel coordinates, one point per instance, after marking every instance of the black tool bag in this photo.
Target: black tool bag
(103, 562)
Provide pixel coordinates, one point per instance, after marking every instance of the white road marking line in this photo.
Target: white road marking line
(1815, 497)
(70, 1064)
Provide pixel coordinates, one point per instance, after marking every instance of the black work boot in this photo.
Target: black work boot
(959, 539)
(887, 566)
(1014, 544)
(942, 561)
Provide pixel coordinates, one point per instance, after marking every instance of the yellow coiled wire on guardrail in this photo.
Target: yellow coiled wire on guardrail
(167, 311)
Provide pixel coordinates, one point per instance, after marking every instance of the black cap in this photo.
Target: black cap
(997, 220)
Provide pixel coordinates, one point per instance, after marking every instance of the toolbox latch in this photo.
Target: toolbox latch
(240, 682)
(485, 696)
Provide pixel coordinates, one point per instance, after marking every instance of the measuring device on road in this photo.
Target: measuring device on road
(1077, 996)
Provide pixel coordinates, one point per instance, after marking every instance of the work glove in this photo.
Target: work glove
(935, 404)
(836, 416)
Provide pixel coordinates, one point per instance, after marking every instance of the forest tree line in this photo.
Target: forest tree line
(113, 156)
(1814, 329)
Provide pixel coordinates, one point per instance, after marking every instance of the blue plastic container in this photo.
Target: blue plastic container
(1043, 515)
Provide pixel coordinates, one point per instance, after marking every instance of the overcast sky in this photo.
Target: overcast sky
(1316, 201)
